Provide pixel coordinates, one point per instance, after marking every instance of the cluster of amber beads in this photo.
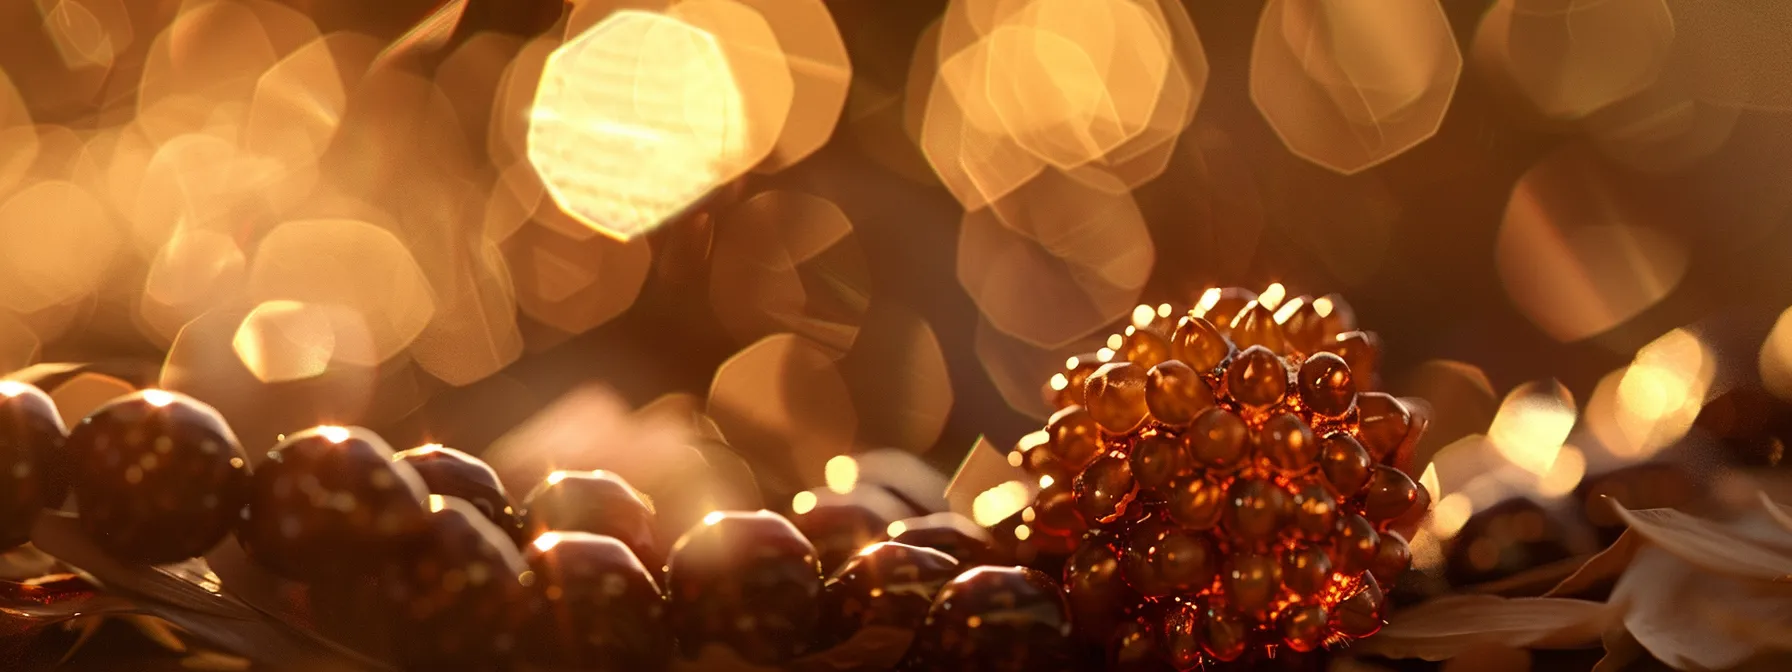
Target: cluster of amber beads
(1226, 484)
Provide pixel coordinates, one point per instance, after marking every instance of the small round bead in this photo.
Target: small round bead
(950, 533)
(1175, 393)
(1076, 373)
(1217, 439)
(1096, 590)
(1104, 489)
(885, 585)
(1162, 559)
(599, 502)
(995, 618)
(452, 473)
(1256, 326)
(1286, 443)
(1356, 545)
(1385, 424)
(1134, 648)
(1116, 394)
(331, 503)
(1346, 465)
(1156, 460)
(1198, 344)
(748, 581)
(158, 477)
(1196, 503)
(1326, 385)
(1360, 614)
(1360, 351)
(1221, 304)
(1252, 580)
(595, 606)
(1303, 326)
(1075, 437)
(1304, 628)
(1306, 569)
(456, 592)
(1339, 316)
(1315, 510)
(1256, 510)
(34, 466)
(1143, 347)
(1392, 558)
(1185, 628)
(1257, 377)
(1391, 493)
(1225, 636)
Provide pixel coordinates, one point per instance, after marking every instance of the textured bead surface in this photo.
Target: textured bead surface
(995, 619)
(329, 503)
(599, 502)
(452, 473)
(594, 606)
(748, 581)
(34, 466)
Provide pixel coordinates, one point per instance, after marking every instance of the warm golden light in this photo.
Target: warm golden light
(282, 341)
(895, 529)
(997, 503)
(1532, 423)
(156, 398)
(547, 541)
(1661, 392)
(556, 477)
(1564, 474)
(437, 503)
(1776, 357)
(841, 474)
(333, 433)
(713, 517)
(1272, 296)
(1142, 316)
(1450, 514)
(803, 502)
(12, 388)
(635, 85)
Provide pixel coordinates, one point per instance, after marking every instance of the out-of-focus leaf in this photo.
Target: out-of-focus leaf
(1533, 582)
(60, 535)
(1777, 511)
(1621, 650)
(25, 562)
(1489, 658)
(1736, 548)
(1607, 565)
(1692, 619)
(1448, 626)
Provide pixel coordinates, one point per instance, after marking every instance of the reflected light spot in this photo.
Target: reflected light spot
(1032, 440)
(1059, 382)
(1104, 355)
(333, 433)
(1323, 306)
(1163, 310)
(547, 541)
(556, 477)
(1209, 299)
(1272, 296)
(156, 398)
(803, 502)
(282, 341)
(1450, 514)
(896, 529)
(1532, 423)
(428, 448)
(1021, 532)
(1142, 316)
(1046, 481)
(997, 503)
(1115, 341)
(12, 388)
(713, 517)
(1565, 474)
(436, 502)
(841, 474)
(1287, 310)
(1660, 394)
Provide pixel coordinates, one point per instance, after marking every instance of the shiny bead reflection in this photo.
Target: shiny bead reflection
(1256, 326)
(1286, 443)
(455, 592)
(599, 502)
(1003, 619)
(330, 502)
(1095, 588)
(1104, 489)
(1075, 437)
(1326, 385)
(1162, 559)
(1156, 460)
(452, 473)
(158, 477)
(886, 585)
(1174, 393)
(34, 466)
(595, 606)
(1218, 439)
(1116, 396)
(748, 581)
(1198, 344)
(1346, 465)
(1385, 424)
(1257, 377)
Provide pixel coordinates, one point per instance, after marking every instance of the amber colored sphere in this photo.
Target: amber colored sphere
(1252, 580)
(1304, 327)
(34, 465)
(455, 592)
(1326, 385)
(158, 477)
(1163, 559)
(1196, 503)
(995, 619)
(839, 526)
(1218, 439)
(1287, 444)
(747, 581)
(1175, 393)
(1074, 437)
(950, 533)
(1391, 494)
(1156, 460)
(1256, 326)
(1116, 396)
(1257, 378)
(888, 585)
(452, 473)
(1199, 344)
(1104, 489)
(330, 503)
(1385, 422)
(594, 606)
(1361, 352)
(1098, 594)
(1256, 510)
(1143, 347)
(599, 502)
(1345, 463)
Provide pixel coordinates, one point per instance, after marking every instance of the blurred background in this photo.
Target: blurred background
(740, 238)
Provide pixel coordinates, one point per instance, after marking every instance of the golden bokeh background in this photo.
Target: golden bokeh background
(779, 232)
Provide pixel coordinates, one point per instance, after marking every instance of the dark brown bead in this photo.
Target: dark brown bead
(1391, 493)
(886, 585)
(1075, 437)
(1257, 377)
(1055, 511)
(1252, 581)
(595, 606)
(1198, 344)
(1385, 424)
(1256, 510)
(1392, 558)
(1356, 545)
(1360, 614)
(456, 593)
(1338, 315)
(1076, 374)
(1345, 463)
(1326, 386)
(745, 580)
(1000, 619)
(1162, 559)
(1315, 510)
(599, 502)
(1306, 569)
(1104, 489)
(1218, 439)
(452, 473)
(1116, 396)
(1196, 503)
(1134, 647)
(950, 533)
(158, 477)
(1302, 325)
(34, 466)
(1256, 326)
(1287, 443)
(1175, 393)
(1143, 347)
(1220, 305)
(1156, 460)
(329, 503)
(1408, 523)
(1304, 628)
(841, 525)
(1361, 352)
(1225, 635)
(1185, 628)
(1096, 590)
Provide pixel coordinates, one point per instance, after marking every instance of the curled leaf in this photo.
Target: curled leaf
(1607, 565)
(1741, 548)
(1693, 619)
(1448, 626)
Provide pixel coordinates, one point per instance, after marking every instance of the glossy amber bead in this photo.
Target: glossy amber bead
(1116, 396)
(1097, 592)
(1074, 437)
(1287, 444)
(455, 592)
(1104, 489)
(1360, 351)
(599, 502)
(34, 466)
(1346, 465)
(1359, 615)
(1326, 385)
(1176, 393)
(1156, 460)
(1143, 347)
(1196, 503)
(1226, 635)
(1220, 305)
(1218, 440)
(1256, 510)
(1301, 323)
(1306, 569)
(1356, 545)
(1257, 378)
(1256, 326)
(1385, 424)
(950, 533)
(1162, 559)
(1252, 581)
(887, 585)
(1392, 558)
(1199, 344)
(1315, 510)
(1304, 628)
(1391, 493)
